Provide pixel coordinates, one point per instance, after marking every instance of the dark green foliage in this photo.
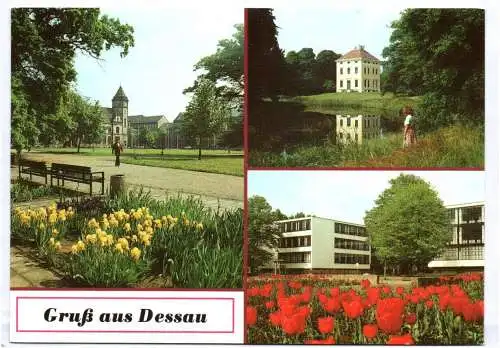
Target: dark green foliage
(24, 190)
(263, 233)
(44, 44)
(439, 53)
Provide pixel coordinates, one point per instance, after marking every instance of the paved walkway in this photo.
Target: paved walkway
(215, 190)
(25, 272)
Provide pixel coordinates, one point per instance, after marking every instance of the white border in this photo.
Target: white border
(492, 134)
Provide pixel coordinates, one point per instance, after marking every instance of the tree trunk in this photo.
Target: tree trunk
(385, 268)
(79, 143)
(199, 150)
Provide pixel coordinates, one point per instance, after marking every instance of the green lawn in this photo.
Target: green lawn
(213, 161)
(221, 165)
(105, 151)
(356, 101)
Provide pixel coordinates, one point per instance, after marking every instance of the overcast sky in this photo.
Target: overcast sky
(347, 195)
(168, 42)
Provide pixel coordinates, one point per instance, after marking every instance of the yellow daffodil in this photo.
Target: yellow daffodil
(199, 226)
(52, 241)
(126, 227)
(57, 246)
(55, 232)
(91, 238)
(135, 253)
(119, 248)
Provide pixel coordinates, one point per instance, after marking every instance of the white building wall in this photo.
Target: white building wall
(322, 243)
(357, 128)
(358, 75)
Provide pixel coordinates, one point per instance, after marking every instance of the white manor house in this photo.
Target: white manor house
(358, 71)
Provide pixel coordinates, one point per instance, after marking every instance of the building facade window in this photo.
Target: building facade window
(341, 83)
(356, 70)
(351, 259)
(295, 242)
(356, 123)
(117, 130)
(341, 71)
(304, 257)
(352, 230)
(355, 83)
(348, 71)
(348, 122)
(342, 243)
(341, 123)
(296, 226)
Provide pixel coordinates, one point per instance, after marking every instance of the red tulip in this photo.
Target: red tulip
(269, 304)
(332, 305)
(365, 283)
(275, 318)
(251, 315)
(429, 304)
(401, 340)
(400, 290)
(370, 331)
(352, 309)
(325, 325)
(411, 318)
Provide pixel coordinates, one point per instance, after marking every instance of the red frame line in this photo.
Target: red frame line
(232, 299)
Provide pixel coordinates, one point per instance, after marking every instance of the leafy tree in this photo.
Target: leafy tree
(263, 233)
(224, 67)
(409, 224)
(233, 136)
(439, 53)
(205, 114)
(44, 45)
(86, 118)
(24, 130)
(325, 69)
(266, 63)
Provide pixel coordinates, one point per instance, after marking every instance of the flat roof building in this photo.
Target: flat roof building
(314, 243)
(466, 250)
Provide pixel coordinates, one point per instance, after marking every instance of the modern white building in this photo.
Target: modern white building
(356, 129)
(466, 250)
(314, 243)
(358, 71)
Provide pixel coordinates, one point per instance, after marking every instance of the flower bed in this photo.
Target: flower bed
(290, 312)
(196, 249)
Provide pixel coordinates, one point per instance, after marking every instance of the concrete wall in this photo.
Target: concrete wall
(322, 243)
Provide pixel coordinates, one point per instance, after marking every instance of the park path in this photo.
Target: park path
(216, 190)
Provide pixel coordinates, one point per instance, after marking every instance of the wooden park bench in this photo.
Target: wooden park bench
(79, 174)
(33, 168)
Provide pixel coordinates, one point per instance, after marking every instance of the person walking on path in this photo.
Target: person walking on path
(117, 150)
(409, 136)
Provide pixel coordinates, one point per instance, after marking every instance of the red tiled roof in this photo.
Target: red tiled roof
(359, 53)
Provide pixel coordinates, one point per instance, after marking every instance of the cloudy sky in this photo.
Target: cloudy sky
(347, 195)
(168, 42)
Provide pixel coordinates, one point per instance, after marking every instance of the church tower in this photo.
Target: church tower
(119, 122)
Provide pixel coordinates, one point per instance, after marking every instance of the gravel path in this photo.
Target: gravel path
(221, 190)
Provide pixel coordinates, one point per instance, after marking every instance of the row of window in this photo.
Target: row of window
(341, 243)
(366, 84)
(117, 130)
(355, 61)
(469, 214)
(295, 242)
(467, 253)
(350, 229)
(295, 226)
(365, 70)
(374, 122)
(295, 257)
(350, 259)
